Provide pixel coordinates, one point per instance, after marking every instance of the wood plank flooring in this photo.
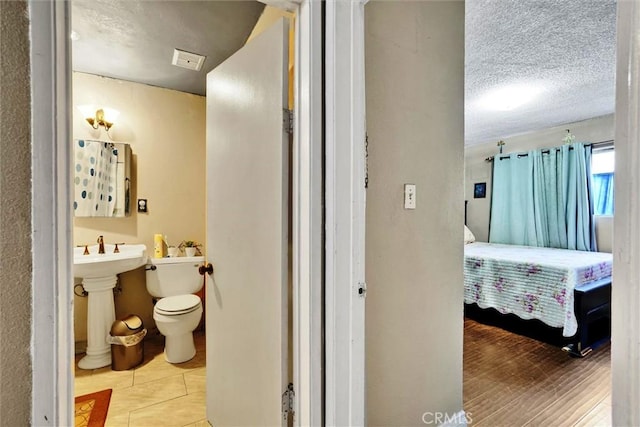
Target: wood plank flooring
(511, 380)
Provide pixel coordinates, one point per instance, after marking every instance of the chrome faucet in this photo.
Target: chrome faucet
(100, 245)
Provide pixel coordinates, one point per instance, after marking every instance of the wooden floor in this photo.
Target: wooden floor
(510, 380)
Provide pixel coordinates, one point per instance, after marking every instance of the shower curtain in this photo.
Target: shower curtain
(543, 198)
(95, 173)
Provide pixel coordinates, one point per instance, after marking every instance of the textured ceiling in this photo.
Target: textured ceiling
(134, 39)
(564, 48)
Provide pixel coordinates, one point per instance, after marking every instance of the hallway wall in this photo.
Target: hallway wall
(15, 216)
(414, 54)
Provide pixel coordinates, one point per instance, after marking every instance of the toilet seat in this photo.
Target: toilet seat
(177, 305)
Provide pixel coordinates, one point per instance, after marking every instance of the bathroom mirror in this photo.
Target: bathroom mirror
(102, 178)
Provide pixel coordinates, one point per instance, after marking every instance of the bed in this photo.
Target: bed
(564, 289)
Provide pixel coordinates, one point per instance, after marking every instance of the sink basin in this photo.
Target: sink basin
(108, 264)
(99, 276)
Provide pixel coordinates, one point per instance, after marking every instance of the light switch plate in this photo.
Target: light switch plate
(409, 196)
(142, 205)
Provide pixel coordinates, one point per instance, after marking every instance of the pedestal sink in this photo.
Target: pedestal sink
(99, 276)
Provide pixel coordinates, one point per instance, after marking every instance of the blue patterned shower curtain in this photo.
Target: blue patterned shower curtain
(543, 198)
(95, 165)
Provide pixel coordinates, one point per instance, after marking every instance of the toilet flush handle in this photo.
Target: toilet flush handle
(206, 268)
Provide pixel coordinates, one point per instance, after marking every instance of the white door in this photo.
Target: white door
(247, 234)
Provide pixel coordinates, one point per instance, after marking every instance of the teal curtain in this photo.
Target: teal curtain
(543, 198)
(512, 201)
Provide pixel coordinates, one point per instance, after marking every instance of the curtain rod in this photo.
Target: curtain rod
(593, 144)
(543, 152)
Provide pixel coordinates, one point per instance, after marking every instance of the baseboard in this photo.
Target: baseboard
(80, 347)
(459, 419)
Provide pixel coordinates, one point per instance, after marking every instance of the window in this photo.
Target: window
(602, 167)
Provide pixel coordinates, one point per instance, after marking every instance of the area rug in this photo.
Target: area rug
(91, 409)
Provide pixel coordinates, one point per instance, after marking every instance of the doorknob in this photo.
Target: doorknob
(208, 268)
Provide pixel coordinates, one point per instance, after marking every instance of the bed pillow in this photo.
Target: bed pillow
(468, 236)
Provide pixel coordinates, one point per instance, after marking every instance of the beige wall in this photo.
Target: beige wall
(604, 233)
(478, 170)
(415, 122)
(166, 130)
(15, 216)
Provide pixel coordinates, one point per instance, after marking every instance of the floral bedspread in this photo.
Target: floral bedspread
(533, 283)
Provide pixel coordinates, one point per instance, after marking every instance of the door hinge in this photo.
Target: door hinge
(362, 289)
(288, 403)
(287, 121)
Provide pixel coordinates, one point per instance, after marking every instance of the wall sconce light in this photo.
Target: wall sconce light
(97, 117)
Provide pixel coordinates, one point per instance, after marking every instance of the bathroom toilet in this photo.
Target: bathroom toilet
(177, 312)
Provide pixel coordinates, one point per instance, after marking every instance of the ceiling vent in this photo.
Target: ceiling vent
(188, 60)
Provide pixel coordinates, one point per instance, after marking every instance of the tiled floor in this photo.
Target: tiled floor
(156, 393)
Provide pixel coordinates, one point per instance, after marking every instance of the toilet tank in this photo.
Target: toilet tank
(167, 277)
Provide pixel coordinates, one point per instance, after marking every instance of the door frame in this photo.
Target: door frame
(625, 328)
(345, 172)
(51, 296)
(52, 305)
(307, 230)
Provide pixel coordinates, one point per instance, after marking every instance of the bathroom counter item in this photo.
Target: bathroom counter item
(158, 246)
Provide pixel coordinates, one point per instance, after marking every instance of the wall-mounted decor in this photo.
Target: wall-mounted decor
(480, 190)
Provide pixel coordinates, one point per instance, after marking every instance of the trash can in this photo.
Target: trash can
(127, 350)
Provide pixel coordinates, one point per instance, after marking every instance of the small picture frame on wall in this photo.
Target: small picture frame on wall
(480, 190)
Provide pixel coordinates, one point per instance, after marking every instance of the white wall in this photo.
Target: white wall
(414, 54)
(166, 130)
(598, 129)
(15, 216)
